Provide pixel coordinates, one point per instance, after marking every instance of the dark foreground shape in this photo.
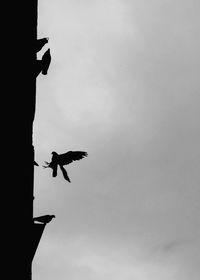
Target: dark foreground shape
(18, 37)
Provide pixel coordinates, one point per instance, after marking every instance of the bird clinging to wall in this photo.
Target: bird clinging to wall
(46, 60)
(64, 159)
(40, 43)
(43, 64)
(44, 219)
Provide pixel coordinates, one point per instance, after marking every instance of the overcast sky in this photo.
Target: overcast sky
(124, 86)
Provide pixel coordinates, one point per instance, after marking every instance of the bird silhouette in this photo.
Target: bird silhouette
(40, 43)
(35, 163)
(43, 64)
(64, 159)
(44, 219)
(46, 60)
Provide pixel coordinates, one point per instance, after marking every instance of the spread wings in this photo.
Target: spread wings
(66, 158)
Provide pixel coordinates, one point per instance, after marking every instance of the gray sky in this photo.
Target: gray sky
(124, 86)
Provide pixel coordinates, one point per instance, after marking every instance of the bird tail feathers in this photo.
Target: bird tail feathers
(65, 175)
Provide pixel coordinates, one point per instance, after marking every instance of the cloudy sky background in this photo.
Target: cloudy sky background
(124, 86)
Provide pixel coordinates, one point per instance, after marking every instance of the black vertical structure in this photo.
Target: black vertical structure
(18, 91)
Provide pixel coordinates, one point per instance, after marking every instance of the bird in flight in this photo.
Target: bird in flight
(40, 43)
(44, 219)
(63, 159)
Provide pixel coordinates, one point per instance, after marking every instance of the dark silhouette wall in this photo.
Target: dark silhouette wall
(18, 82)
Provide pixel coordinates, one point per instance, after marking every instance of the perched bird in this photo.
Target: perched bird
(35, 163)
(63, 159)
(40, 43)
(43, 64)
(46, 60)
(44, 219)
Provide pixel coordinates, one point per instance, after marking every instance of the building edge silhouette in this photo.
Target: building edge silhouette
(18, 93)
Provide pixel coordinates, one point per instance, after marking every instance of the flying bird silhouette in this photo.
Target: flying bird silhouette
(40, 43)
(43, 64)
(44, 219)
(63, 159)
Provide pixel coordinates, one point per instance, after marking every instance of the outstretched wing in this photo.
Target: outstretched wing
(70, 156)
(64, 172)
